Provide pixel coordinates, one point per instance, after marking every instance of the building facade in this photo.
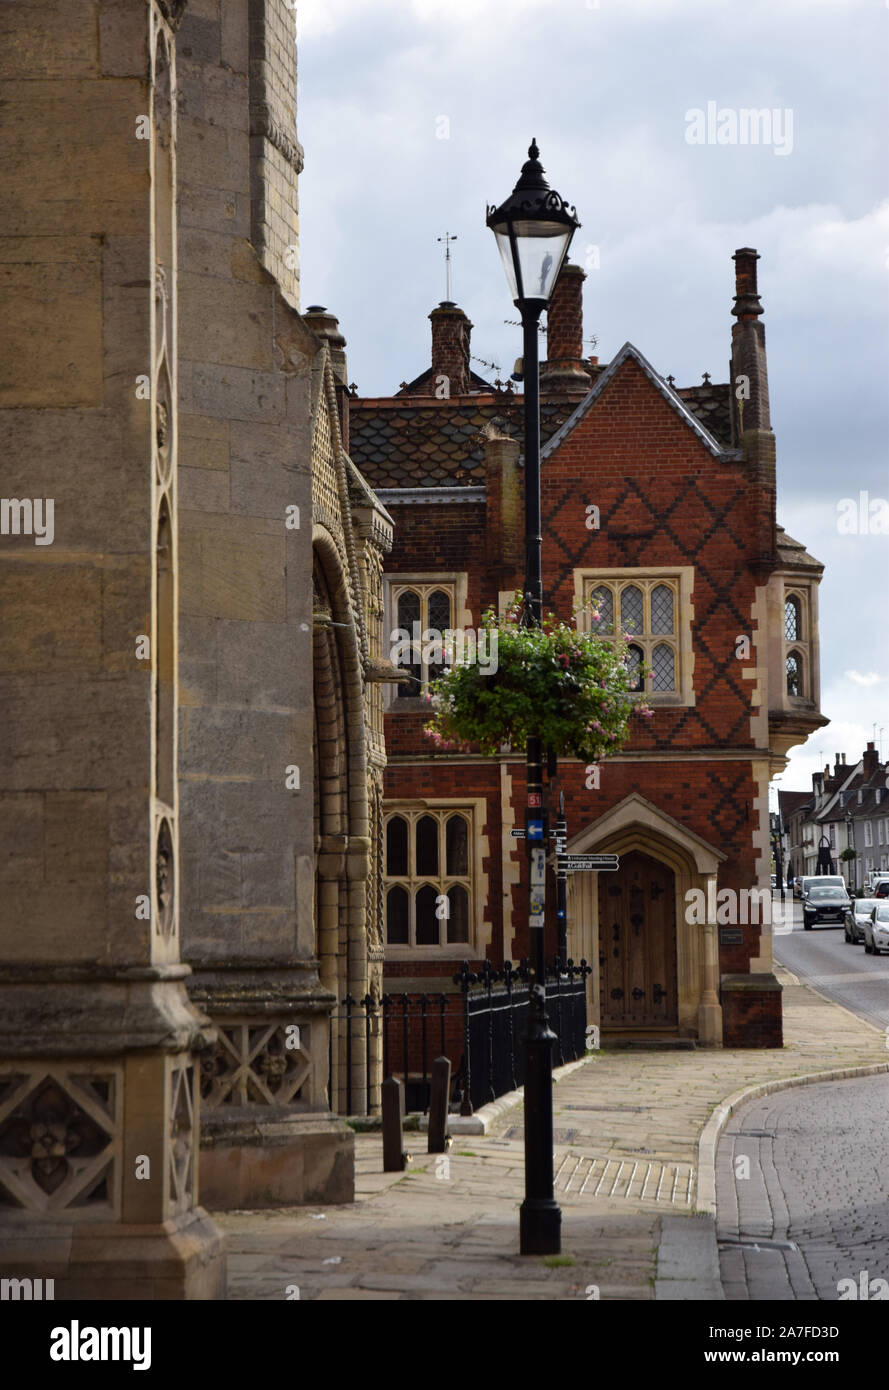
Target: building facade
(658, 508)
(191, 778)
(846, 814)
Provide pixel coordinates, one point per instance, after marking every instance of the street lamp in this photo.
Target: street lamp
(533, 228)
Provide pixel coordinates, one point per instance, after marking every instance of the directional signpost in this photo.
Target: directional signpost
(584, 863)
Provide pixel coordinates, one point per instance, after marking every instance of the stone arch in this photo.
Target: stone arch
(637, 824)
(342, 814)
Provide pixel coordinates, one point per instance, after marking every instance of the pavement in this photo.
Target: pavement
(635, 1182)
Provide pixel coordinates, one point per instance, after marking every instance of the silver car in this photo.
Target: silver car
(876, 929)
(857, 913)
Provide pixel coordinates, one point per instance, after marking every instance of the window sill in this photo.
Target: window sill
(460, 950)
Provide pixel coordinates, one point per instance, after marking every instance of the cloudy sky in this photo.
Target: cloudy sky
(415, 113)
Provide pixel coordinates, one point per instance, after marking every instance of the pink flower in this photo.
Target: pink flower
(566, 661)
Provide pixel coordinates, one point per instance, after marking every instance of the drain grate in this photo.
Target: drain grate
(612, 1109)
(753, 1134)
(560, 1136)
(756, 1243)
(638, 1180)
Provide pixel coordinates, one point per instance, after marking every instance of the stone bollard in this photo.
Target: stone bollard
(392, 1091)
(438, 1105)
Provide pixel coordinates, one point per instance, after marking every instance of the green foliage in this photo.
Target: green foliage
(568, 688)
(849, 853)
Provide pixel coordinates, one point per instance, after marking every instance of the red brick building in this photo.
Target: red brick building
(660, 502)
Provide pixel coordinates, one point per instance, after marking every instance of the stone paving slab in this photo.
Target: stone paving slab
(417, 1236)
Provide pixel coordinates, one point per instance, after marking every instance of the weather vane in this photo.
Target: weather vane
(447, 239)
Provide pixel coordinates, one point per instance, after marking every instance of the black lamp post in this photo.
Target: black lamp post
(534, 227)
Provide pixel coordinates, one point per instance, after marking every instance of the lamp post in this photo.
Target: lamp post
(533, 229)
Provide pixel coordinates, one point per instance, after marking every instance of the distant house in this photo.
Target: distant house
(847, 809)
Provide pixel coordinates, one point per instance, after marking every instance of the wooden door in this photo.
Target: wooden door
(637, 945)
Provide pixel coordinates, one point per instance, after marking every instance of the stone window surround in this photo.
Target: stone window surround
(475, 809)
(457, 583)
(800, 646)
(681, 579)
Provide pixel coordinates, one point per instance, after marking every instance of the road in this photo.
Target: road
(802, 1180)
(822, 958)
(802, 1192)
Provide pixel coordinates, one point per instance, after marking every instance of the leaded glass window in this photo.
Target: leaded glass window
(429, 855)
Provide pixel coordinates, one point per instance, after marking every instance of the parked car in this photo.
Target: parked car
(876, 930)
(825, 903)
(881, 888)
(873, 878)
(857, 914)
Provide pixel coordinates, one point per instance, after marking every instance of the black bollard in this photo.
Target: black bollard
(393, 1122)
(438, 1105)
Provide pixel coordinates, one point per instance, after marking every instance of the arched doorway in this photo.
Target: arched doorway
(637, 946)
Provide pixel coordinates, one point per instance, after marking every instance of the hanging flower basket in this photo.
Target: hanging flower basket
(570, 689)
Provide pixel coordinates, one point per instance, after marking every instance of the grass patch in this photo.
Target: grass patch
(559, 1261)
(466, 1153)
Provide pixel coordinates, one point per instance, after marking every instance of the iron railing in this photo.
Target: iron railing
(480, 1029)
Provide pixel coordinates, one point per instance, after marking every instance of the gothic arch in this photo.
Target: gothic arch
(341, 811)
(637, 824)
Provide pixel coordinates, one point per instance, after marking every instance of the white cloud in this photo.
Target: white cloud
(871, 679)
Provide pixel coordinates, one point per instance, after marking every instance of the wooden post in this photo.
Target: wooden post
(393, 1122)
(438, 1105)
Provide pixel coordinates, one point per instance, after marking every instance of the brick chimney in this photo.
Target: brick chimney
(505, 508)
(749, 347)
(871, 761)
(450, 351)
(565, 370)
(326, 326)
(751, 420)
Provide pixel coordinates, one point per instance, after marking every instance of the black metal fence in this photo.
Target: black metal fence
(480, 1029)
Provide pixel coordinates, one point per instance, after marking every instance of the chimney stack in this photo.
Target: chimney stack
(450, 351)
(565, 371)
(871, 760)
(505, 511)
(749, 347)
(751, 420)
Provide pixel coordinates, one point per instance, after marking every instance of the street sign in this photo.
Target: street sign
(517, 834)
(586, 863)
(535, 829)
(535, 798)
(538, 867)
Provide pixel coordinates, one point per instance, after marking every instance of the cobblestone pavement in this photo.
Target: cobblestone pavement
(419, 1236)
(803, 1175)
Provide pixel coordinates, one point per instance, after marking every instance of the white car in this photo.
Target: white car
(857, 915)
(876, 930)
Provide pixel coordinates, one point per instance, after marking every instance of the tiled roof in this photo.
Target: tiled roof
(711, 403)
(410, 440)
(793, 554)
(401, 442)
(789, 802)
